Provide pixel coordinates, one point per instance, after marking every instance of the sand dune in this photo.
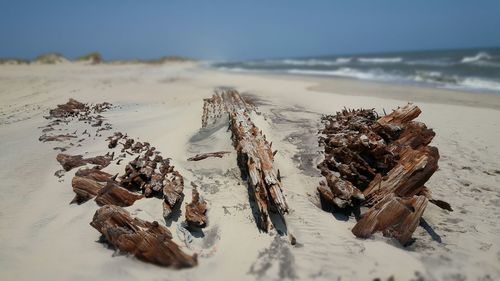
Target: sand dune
(42, 236)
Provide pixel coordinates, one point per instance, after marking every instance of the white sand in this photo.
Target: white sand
(43, 237)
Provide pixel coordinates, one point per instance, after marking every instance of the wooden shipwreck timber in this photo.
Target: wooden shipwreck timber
(255, 155)
(148, 241)
(382, 163)
(147, 175)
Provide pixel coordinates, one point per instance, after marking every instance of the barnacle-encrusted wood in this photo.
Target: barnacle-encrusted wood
(148, 241)
(255, 156)
(382, 163)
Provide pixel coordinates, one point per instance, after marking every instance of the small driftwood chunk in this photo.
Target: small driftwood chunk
(202, 156)
(85, 189)
(196, 211)
(113, 140)
(172, 193)
(255, 155)
(337, 191)
(395, 216)
(94, 174)
(149, 242)
(69, 162)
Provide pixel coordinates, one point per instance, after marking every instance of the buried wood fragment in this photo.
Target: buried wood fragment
(59, 138)
(382, 163)
(196, 211)
(69, 162)
(72, 107)
(113, 140)
(198, 157)
(148, 241)
(254, 153)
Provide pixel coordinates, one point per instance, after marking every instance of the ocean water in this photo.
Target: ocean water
(467, 69)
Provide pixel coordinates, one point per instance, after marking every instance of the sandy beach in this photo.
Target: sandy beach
(44, 237)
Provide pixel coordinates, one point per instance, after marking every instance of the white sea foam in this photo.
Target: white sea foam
(435, 77)
(343, 60)
(478, 57)
(238, 69)
(343, 72)
(381, 60)
(315, 62)
(482, 84)
(430, 62)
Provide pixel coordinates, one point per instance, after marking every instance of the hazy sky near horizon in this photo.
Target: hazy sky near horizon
(242, 29)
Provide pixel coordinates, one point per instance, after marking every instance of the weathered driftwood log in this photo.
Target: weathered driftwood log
(196, 211)
(218, 154)
(149, 242)
(382, 163)
(255, 156)
(69, 162)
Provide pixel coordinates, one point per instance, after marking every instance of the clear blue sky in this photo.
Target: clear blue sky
(211, 29)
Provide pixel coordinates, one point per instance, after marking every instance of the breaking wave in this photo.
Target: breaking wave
(478, 57)
(477, 69)
(381, 60)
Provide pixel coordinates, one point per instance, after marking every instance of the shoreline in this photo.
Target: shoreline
(387, 90)
(335, 85)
